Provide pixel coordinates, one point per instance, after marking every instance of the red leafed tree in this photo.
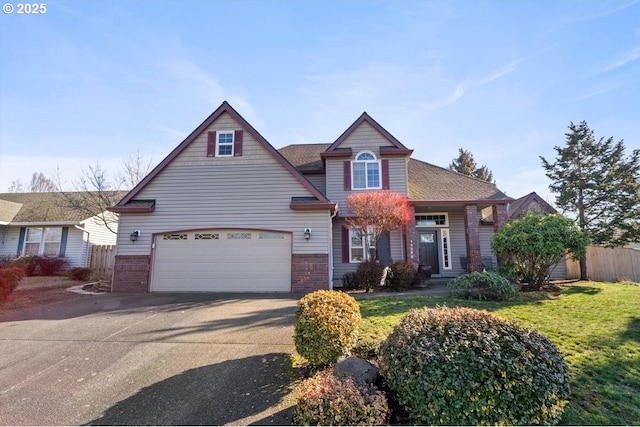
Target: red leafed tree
(377, 213)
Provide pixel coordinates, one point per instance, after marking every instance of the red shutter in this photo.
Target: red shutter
(347, 175)
(345, 245)
(211, 144)
(237, 143)
(384, 164)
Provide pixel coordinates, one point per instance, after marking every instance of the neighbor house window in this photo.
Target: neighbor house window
(365, 171)
(43, 241)
(224, 144)
(357, 246)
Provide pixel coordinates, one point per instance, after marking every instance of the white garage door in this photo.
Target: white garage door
(222, 261)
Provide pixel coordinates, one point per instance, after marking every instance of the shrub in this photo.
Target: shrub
(467, 367)
(350, 282)
(34, 265)
(79, 273)
(9, 279)
(403, 275)
(326, 326)
(485, 285)
(50, 266)
(327, 400)
(368, 275)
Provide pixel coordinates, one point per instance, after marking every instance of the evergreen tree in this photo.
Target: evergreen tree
(466, 164)
(596, 185)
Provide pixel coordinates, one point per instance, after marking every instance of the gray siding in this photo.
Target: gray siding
(198, 192)
(458, 244)
(486, 231)
(365, 137)
(319, 181)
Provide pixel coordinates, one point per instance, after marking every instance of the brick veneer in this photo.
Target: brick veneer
(309, 272)
(500, 218)
(472, 234)
(131, 273)
(411, 241)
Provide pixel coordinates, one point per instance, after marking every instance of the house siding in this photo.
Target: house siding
(252, 191)
(319, 181)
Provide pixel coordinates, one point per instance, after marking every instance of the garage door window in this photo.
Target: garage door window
(238, 236)
(207, 236)
(267, 236)
(175, 236)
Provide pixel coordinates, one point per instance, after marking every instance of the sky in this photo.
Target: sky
(96, 82)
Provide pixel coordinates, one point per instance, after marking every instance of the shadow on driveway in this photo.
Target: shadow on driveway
(241, 392)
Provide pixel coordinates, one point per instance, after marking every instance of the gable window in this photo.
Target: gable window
(357, 246)
(42, 241)
(365, 171)
(224, 144)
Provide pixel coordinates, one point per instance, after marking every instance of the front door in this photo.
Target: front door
(428, 250)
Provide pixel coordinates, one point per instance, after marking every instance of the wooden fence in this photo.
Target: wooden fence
(608, 265)
(102, 260)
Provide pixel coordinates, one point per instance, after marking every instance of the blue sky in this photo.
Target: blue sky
(96, 81)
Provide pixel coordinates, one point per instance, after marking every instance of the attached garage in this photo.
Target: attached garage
(230, 260)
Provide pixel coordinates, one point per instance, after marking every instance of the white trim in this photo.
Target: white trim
(446, 220)
(446, 256)
(226, 144)
(366, 175)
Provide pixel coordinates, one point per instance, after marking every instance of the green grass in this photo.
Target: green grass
(595, 325)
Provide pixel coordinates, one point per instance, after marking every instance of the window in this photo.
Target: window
(433, 220)
(365, 171)
(43, 241)
(356, 246)
(224, 144)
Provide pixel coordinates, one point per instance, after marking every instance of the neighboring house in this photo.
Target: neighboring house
(518, 208)
(40, 224)
(226, 211)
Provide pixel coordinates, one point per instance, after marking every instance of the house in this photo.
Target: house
(226, 211)
(44, 224)
(518, 208)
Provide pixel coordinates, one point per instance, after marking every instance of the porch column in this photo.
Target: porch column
(472, 235)
(411, 236)
(499, 220)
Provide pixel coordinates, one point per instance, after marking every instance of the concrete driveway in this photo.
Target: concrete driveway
(149, 359)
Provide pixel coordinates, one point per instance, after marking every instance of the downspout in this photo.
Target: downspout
(333, 215)
(87, 244)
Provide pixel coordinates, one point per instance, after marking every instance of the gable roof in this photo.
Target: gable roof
(397, 148)
(520, 206)
(123, 206)
(427, 183)
(42, 207)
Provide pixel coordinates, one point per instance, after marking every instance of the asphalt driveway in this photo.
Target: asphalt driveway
(149, 359)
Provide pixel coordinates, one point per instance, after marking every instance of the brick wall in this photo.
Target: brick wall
(309, 272)
(472, 234)
(131, 273)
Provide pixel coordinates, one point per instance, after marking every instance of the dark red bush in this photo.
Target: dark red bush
(9, 280)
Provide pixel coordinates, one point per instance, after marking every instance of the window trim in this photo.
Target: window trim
(225, 144)
(366, 256)
(366, 163)
(42, 242)
(446, 220)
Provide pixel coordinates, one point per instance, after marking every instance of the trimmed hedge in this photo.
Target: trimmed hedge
(467, 367)
(326, 326)
(483, 286)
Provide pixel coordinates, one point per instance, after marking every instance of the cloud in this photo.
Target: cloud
(620, 60)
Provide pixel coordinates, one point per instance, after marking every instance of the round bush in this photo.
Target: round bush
(326, 400)
(468, 367)
(326, 326)
(483, 285)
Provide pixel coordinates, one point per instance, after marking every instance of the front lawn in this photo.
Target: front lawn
(595, 325)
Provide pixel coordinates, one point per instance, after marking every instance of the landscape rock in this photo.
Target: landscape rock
(361, 371)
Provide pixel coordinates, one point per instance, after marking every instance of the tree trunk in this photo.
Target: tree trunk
(583, 267)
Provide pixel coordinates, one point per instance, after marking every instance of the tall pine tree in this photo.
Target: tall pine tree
(466, 164)
(596, 184)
